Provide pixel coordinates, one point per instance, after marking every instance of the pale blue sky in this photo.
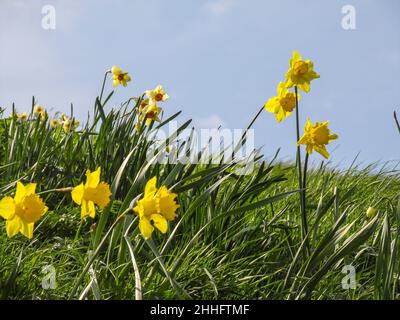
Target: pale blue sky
(219, 60)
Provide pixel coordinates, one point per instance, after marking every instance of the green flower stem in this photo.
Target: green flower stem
(97, 251)
(63, 190)
(104, 83)
(396, 120)
(304, 226)
(304, 188)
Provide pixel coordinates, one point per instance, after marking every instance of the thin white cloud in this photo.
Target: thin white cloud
(211, 122)
(219, 7)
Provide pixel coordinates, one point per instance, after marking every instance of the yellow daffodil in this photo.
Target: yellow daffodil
(22, 211)
(92, 193)
(120, 77)
(39, 111)
(54, 123)
(22, 116)
(316, 137)
(70, 124)
(157, 95)
(371, 212)
(300, 73)
(67, 125)
(143, 104)
(282, 104)
(155, 208)
(151, 113)
(63, 117)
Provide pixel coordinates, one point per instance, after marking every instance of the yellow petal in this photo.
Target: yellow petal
(304, 86)
(93, 178)
(84, 209)
(7, 208)
(159, 222)
(322, 151)
(145, 227)
(91, 209)
(281, 89)
(13, 226)
(309, 149)
(20, 192)
(272, 104)
(77, 194)
(27, 229)
(295, 57)
(139, 210)
(303, 140)
(333, 137)
(308, 124)
(115, 70)
(281, 114)
(150, 188)
(30, 188)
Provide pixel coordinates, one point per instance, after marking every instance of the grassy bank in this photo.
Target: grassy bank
(235, 237)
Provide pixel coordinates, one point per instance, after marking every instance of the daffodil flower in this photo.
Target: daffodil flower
(316, 137)
(92, 193)
(143, 104)
(300, 73)
(155, 208)
(22, 116)
(151, 113)
(54, 123)
(22, 211)
(119, 77)
(69, 124)
(39, 111)
(63, 117)
(282, 104)
(157, 95)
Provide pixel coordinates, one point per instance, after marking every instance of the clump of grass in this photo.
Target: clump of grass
(236, 237)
